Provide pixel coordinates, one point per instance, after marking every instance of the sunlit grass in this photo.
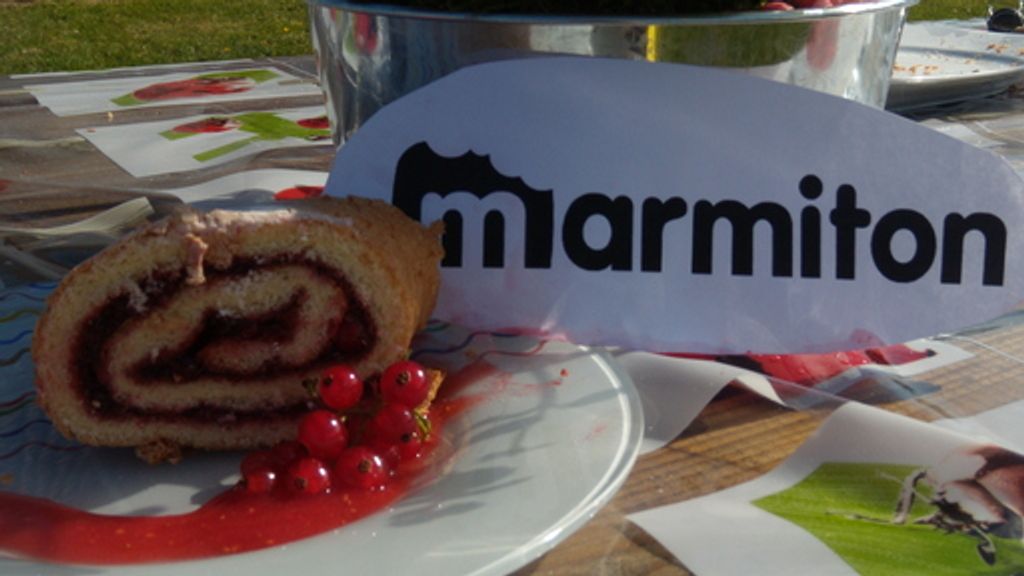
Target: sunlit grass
(951, 9)
(95, 34)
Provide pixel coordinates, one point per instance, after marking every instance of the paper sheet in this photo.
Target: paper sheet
(197, 142)
(175, 88)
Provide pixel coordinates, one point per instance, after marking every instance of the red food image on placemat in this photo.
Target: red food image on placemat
(191, 87)
(299, 192)
(208, 125)
(318, 123)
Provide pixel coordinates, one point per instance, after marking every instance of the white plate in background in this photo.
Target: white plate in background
(949, 61)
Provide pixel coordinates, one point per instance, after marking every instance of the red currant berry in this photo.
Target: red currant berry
(407, 448)
(257, 460)
(405, 383)
(260, 480)
(284, 453)
(361, 467)
(340, 387)
(411, 446)
(309, 476)
(391, 456)
(323, 434)
(393, 424)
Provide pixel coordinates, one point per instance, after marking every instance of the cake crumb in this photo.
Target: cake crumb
(137, 299)
(159, 451)
(194, 260)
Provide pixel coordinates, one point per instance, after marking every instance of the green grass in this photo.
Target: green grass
(950, 9)
(51, 35)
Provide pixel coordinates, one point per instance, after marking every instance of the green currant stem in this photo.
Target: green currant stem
(423, 423)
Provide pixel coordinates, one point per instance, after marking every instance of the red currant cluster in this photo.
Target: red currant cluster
(349, 440)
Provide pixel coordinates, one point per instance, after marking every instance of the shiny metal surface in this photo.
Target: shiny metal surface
(368, 55)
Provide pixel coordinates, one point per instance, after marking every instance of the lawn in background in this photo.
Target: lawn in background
(953, 9)
(64, 35)
(50, 35)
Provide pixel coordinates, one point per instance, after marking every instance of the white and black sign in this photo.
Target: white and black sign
(674, 208)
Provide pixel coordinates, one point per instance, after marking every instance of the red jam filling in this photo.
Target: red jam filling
(354, 337)
(184, 365)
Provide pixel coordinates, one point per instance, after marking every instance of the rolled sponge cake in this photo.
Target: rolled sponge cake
(199, 330)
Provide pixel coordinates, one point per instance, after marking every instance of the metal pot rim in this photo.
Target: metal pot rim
(746, 17)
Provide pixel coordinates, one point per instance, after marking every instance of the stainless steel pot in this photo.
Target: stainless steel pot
(370, 54)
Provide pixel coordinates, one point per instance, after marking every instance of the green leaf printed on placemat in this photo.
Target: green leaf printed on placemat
(127, 100)
(258, 75)
(264, 126)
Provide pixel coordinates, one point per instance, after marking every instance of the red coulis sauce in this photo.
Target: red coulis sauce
(232, 522)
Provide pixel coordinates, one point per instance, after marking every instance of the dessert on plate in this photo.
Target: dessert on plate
(198, 330)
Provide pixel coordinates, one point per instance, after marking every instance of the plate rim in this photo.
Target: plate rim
(604, 491)
(910, 92)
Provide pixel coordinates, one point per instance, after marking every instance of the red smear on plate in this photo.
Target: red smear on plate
(233, 522)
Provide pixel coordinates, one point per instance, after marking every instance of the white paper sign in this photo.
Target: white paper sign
(672, 208)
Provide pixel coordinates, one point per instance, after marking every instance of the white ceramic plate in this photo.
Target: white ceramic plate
(950, 61)
(556, 438)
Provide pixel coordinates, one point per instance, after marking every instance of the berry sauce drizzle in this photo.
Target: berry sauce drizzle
(235, 521)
